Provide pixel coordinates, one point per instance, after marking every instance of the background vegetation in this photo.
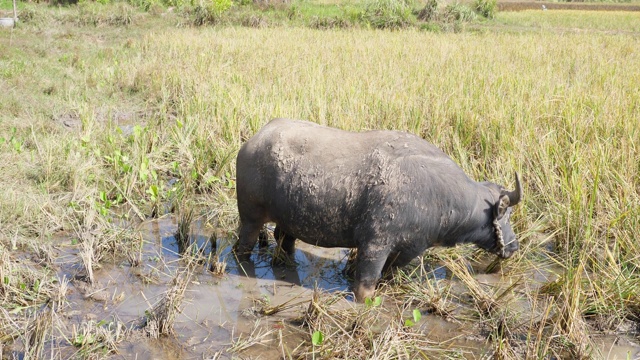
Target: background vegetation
(103, 128)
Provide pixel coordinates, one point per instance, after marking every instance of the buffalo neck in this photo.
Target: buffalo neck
(471, 217)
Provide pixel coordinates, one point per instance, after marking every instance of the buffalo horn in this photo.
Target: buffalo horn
(516, 195)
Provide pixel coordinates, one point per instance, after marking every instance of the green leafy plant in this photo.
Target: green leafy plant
(417, 315)
(119, 161)
(104, 204)
(155, 197)
(317, 338)
(16, 143)
(377, 301)
(145, 173)
(227, 180)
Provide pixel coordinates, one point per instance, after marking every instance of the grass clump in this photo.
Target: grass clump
(38, 329)
(486, 8)
(332, 22)
(372, 330)
(459, 12)
(429, 11)
(34, 14)
(485, 301)
(208, 12)
(183, 234)
(438, 17)
(99, 239)
(424, 294)
(25, 285)
(387, 14)
(160, 318)
(254, 20)
(96, 14)
(97, 338)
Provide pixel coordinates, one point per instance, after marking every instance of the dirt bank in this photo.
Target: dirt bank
(540, 5)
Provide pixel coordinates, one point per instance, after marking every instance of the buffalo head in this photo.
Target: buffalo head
(506, 243)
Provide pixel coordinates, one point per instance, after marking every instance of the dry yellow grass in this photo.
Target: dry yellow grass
(561, 108)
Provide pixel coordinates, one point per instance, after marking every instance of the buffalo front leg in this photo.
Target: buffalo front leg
(367, 273)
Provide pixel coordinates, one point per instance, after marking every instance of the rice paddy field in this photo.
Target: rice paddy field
(118, 135)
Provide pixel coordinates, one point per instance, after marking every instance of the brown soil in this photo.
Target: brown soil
(515, 5)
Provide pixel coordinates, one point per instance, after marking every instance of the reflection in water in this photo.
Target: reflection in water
(217, 306)
(321, 268)
(314, 266)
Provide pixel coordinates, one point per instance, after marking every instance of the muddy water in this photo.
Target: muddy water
(218, 310)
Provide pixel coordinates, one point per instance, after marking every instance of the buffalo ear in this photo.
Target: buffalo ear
(501, 206)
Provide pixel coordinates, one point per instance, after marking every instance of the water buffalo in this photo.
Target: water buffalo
(389, 194)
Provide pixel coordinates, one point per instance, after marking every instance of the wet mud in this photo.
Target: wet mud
(219, 311)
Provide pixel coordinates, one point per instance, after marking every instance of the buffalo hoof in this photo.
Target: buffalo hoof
(363, 291)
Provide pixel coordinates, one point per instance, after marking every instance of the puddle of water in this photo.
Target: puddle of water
(618, 347)
(314, 266)
(215, 308)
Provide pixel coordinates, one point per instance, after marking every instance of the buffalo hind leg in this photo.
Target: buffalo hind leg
(263, 237)
(393, 263)
(285, 241)
(285, 248)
